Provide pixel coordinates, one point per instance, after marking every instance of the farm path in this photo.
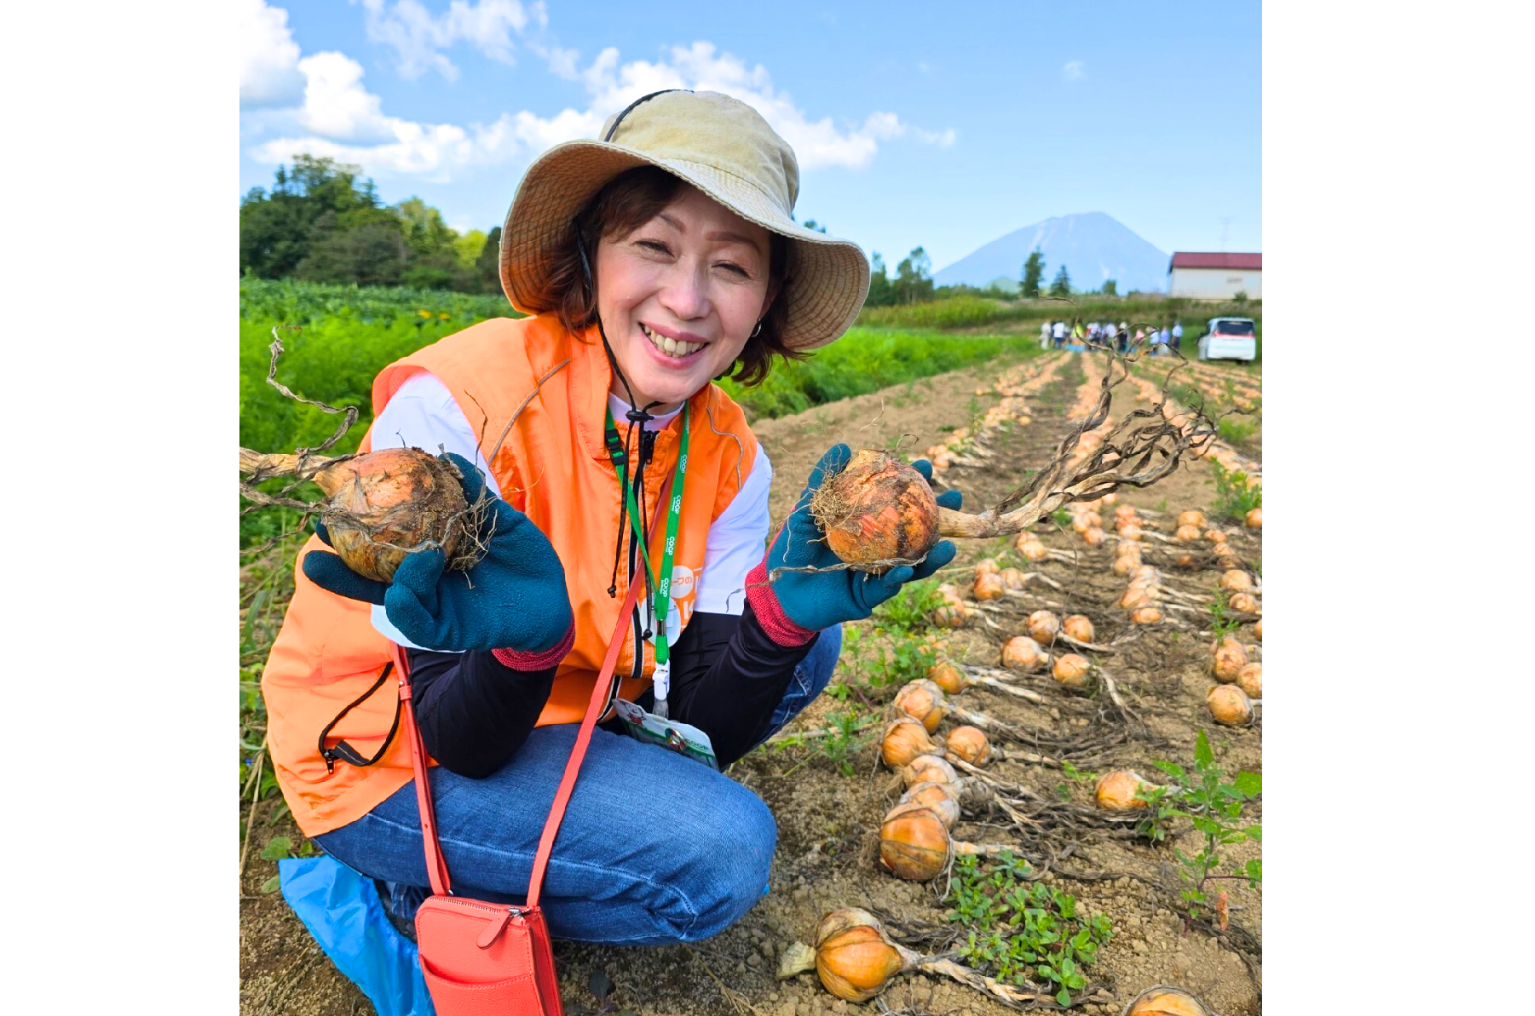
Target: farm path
(828, 806)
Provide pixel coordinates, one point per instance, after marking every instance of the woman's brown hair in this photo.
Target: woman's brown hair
(626, 203)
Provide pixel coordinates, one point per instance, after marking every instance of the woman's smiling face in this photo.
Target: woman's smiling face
(680, 296)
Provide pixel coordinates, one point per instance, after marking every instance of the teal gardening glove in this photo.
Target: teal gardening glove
(820, 599)
(514, 598)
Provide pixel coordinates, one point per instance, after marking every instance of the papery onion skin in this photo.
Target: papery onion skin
(970, 743)
(1228, 661)
(1023, 653)
(853, 959)
(1250, 680)
(384, 502)
(1229, 705)
(1043, 626)
(1079, 627)
(928, 769)
(1164, 1000)
(1072, 670)
(923, 701)
(914, 843)
(877, 509)
(1116, 791)
(903, 740)
(941, 798)
(947, 676)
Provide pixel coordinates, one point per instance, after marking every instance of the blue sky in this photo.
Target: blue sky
(912, 126)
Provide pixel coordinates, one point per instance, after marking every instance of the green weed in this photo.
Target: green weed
(1021, 929)
(1214, 806)
(1235, 493)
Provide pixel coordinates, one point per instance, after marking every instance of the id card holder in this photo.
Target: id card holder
(673, 735)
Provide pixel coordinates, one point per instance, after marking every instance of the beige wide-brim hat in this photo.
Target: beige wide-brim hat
(724, 148)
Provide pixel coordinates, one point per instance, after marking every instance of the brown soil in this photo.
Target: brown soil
(825, 817)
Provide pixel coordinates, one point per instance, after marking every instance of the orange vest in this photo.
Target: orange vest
(552, 465)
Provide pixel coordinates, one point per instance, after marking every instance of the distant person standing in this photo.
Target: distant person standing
(1177, 335)
(1124, 336)
(1060, 334)
(1044, 335)
(1162, 339)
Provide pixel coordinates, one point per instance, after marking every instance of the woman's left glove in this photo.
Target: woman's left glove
(813, 600)
(514, 598)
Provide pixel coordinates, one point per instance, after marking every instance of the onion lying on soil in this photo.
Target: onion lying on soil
(1254, 519)
(1116, 790)
(1237, 580)
(1192, 517)
(941, 798)
(1229, 659)
(1072, 671)
(381, 505)
(914, 843)
(1145, 615)
(1079, 627)
(1250, 680)
(923, 701)
(970, 744)
(1229, 705)
(1164, 1000)
(989, 586)
(1245, 603)
(1023, 653)
(1043, 626)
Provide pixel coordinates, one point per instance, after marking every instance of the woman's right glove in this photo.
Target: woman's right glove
(812, 600)
(514, 598)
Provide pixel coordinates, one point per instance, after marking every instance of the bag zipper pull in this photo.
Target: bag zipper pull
(493, 930)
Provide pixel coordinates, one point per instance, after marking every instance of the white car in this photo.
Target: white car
(1229, 338)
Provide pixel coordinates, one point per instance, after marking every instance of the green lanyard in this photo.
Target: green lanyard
(663, 582)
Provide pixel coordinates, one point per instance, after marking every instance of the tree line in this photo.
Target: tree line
(323, 222)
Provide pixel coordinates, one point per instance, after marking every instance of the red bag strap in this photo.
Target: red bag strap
(436, 866)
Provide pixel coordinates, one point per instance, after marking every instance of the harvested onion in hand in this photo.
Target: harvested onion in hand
(877, 510)
(380, 505)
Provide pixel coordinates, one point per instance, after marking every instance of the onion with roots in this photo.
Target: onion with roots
(877, 511)
(382, 505)
(1116, 790)
(1229, 705)
(1165, 1000)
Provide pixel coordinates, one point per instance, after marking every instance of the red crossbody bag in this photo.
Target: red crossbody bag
(493, 959)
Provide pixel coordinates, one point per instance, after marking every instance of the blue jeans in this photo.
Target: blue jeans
(654, 848)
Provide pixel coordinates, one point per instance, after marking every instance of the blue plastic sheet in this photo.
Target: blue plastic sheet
(342, 911)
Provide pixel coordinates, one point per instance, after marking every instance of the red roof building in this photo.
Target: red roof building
(1207, 275)
(1200, 259)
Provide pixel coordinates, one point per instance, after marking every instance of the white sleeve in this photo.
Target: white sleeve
(737, 541)
(423, 414)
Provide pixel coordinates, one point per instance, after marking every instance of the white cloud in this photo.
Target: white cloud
(338, 117)
(269, 74)
(418, 37)
(1074, 70)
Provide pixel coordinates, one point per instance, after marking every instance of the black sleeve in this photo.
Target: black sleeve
(474, 711)
(728, 677)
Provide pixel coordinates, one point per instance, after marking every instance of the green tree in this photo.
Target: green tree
(278, 228)
(487, 267)
(1110, 287)
(881, 291)
(1033, 272)
(812, 224)
(913, 279)
(1061, 286)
